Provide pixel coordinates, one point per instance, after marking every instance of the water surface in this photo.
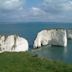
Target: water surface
(29, 31)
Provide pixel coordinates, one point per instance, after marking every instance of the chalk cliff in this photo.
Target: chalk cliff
(13, 43)
(69, 34)
(51, 37)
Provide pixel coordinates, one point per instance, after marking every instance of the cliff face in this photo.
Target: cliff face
(51, 37)
(69, 34)
(13, 43)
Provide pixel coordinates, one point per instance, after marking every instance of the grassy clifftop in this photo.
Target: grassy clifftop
(25, 62)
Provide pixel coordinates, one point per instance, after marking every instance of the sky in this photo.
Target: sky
(36, 10)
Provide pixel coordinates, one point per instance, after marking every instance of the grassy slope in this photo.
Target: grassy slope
(25, 62)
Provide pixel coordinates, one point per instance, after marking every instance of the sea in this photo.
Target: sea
(29, 31)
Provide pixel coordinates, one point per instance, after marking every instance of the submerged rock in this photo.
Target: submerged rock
(51, 37)
(13, 43)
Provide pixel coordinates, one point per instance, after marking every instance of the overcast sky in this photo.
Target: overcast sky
(35, 10)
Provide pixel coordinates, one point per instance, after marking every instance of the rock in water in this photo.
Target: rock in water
(69, 34)
(13, 43)
(51, 37)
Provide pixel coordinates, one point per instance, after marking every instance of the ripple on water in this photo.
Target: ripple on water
(55, 53)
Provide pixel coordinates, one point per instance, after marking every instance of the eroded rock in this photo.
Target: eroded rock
(51, 37)
(13, 43)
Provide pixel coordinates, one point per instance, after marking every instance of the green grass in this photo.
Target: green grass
(25, 62)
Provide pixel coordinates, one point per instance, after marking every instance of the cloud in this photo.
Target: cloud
(57, 10)
(12, 10)
(46, 10)
(67, 6)
(10, 4)
(35, 11)
(57, 6)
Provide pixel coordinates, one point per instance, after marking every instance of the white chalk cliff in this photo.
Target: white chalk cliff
(13, 43)
(51, 37)
(69, 34)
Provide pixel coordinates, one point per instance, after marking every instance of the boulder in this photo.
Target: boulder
(13, 43)
(51, 37)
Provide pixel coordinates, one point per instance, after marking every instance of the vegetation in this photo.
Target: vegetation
(25, 62)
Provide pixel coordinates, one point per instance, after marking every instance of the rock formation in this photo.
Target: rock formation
(51, 37)
(13, 43)
(69, 34)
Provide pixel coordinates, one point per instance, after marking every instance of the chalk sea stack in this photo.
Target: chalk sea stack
(13, 43)
(56, 37)
(69, 34)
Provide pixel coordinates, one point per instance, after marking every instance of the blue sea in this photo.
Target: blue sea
(29, 31)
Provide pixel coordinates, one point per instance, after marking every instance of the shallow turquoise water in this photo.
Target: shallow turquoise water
(29, 31)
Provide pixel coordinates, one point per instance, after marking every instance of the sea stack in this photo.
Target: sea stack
(51, 37)
(13, 43)
(69, 34)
